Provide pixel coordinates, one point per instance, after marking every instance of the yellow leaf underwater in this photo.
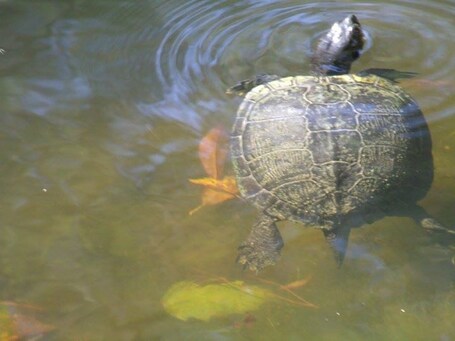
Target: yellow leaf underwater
(185, 300)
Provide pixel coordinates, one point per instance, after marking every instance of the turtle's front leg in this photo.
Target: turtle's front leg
(241, 88)
(263, 245)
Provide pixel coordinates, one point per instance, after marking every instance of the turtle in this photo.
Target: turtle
(333, 150)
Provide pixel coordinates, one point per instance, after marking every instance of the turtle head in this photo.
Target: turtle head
(337, 49)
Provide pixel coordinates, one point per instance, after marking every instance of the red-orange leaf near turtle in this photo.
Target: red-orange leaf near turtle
(212, 153)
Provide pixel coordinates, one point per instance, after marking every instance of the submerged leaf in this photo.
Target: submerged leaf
(16, 326)
(7, 330)
(213, 151)
(213, 197)
(185, 300)
(296, 284)
(227, 185)
(27, 326)
(215, 191)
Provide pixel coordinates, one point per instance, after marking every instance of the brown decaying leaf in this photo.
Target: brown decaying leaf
(289, 290)
(213, 151)
(213, 197)
(227, 185)
(23, 326)
(215, 191)
(27, 326)
(296, 284)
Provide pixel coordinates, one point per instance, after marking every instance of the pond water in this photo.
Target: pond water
(102, 107)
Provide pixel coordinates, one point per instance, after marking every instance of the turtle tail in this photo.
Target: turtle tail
(338, 238)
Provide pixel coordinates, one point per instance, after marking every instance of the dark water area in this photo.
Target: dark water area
(102, 107)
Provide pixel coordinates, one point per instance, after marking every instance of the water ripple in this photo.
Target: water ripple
(204, 46)
(181, 54)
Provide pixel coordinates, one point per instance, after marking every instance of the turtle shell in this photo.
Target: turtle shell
(317, 149)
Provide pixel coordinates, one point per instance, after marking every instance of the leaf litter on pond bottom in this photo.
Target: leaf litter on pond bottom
(186, 299)
(15, 325)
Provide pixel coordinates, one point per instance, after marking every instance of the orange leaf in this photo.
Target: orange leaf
(213, 151)
(227, 184)
(213, 197)
(215, 191)
(296, 284)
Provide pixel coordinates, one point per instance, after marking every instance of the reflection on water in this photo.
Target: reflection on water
(102, 107)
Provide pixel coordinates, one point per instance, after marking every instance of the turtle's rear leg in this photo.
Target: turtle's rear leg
(243, 87)
(263, 245)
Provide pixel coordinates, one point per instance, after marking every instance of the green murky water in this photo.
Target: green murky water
(102, 106)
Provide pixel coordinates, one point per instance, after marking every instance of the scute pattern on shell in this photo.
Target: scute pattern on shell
(313, 149)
